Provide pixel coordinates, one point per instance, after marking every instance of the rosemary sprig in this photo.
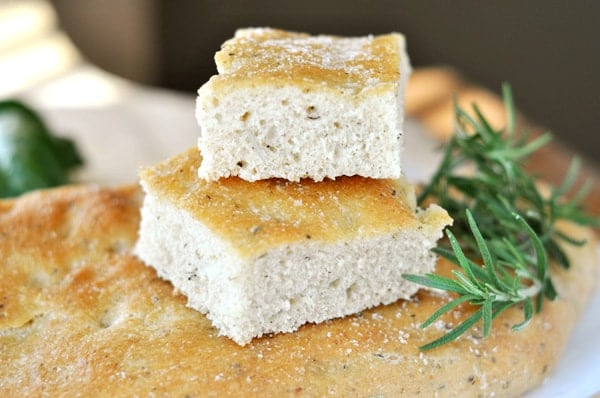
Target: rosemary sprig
(504, 232)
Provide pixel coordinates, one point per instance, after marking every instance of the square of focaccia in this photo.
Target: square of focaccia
(271, 255)
(291, 105)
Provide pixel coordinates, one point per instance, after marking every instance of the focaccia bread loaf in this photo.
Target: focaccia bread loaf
(81, 316)
(271, 255)
(290, 105)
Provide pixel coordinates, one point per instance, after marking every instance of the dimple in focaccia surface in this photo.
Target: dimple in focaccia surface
(255, 56)
(255, 216)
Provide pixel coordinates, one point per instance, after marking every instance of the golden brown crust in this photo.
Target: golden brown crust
(256, 216)
(80, 315)
(258, 56)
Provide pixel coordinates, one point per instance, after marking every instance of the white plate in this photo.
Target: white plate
(136, 127)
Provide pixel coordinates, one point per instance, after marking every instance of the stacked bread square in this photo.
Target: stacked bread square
(292, 209)
(294, 106)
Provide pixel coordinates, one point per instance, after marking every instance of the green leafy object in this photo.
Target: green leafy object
(31, 157)
(504, 232)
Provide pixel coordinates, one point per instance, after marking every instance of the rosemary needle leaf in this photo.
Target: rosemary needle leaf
(570, 178)
(446, 308)
(488, 261)
(462, 260)
(500, 307)
(569, 239)
(528, 315)
(549, 290)
(479, 272)
(581, 194)
(510, 110)
(436, 282)
(484, 123)
(462, 117)
(469, 285)
(487, 316)
(540, 252)
(454, 333)
(557, 253)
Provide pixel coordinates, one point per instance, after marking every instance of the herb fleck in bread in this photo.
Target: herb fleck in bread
(291, 105)
(272, 255)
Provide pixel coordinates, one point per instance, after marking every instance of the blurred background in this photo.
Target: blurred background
(549, 51)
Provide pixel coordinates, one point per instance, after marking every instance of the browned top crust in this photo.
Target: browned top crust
(253, 217)
(79, 315)
(264, 55)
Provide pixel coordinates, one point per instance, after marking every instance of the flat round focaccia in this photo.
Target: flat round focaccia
(81, 316)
